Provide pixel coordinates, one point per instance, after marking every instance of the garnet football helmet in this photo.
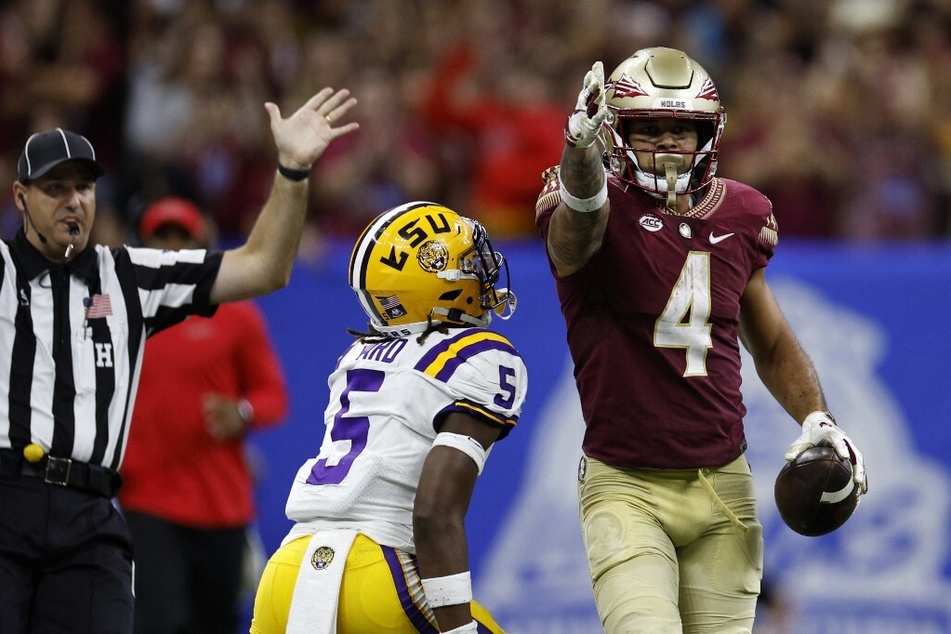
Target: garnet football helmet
(663, 83)
(421, 263)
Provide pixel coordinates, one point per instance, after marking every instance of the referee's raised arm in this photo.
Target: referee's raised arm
(74, 317)
(263, 264)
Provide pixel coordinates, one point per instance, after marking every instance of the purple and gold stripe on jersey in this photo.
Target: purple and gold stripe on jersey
(443, 360)
(409, 588)
(480, 411)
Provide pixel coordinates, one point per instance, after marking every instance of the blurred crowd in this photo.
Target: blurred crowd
(839, 110)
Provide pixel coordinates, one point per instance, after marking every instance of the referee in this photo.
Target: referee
(73, 322)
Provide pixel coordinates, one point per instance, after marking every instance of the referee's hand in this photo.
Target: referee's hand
(303, 136)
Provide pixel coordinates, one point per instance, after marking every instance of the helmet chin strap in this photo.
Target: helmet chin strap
(479, 322)
(672, 164)
(503, 310)
(671, 184)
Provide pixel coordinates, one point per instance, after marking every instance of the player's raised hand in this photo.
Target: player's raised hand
(590, 111)
(302, 137)
(820, 429)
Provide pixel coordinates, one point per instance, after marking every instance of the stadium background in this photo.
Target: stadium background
(839, 110)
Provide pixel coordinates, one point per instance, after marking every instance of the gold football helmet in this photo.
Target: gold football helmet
(663, 82)
(421, 263)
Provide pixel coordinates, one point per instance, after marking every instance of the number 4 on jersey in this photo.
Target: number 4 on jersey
(685, 322)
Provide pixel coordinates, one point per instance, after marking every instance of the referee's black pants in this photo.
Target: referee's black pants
(65, 560)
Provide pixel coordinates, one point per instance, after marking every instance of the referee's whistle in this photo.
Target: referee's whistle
(33, 452)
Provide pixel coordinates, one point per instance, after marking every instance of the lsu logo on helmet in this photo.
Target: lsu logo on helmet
(433, 256)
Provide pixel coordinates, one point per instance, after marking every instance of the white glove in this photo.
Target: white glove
(590, 111)
(819, 429)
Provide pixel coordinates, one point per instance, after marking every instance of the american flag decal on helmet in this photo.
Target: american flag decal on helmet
(391, 306)
(708, 91)
(626, 87)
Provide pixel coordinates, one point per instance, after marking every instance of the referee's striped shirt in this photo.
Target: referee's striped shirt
(72, 337)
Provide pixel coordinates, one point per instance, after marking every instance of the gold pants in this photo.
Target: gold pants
(672, 551)
(380, 594)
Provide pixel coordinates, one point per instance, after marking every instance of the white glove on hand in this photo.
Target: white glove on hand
(590, 111)
(819, 429)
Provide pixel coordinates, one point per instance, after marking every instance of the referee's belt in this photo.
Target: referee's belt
(65, 472)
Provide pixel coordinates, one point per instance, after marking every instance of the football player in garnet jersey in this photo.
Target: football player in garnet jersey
(660, 271)
(379, 543)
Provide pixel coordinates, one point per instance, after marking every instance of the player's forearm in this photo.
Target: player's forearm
(790, 376)
(442, 552)
(441, 547)
(575, 236)
(581, 171)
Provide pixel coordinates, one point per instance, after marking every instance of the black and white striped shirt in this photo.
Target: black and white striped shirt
(72, 337)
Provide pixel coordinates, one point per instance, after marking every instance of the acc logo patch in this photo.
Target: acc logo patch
(651, 222)
(322, 557)
(433, 256)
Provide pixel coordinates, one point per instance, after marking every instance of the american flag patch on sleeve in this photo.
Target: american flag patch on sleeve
(97, 306)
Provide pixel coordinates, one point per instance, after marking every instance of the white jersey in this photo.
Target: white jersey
(387, 399)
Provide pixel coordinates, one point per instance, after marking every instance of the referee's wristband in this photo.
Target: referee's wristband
(292, 174)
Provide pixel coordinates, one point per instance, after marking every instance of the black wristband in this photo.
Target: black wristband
(292, 175)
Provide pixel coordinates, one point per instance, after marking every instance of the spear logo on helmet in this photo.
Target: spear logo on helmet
(625, 88)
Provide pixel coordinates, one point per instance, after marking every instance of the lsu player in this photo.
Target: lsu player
(416, 403)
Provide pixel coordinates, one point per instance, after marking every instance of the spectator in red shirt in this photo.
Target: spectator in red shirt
(500, 128)
(188, 486)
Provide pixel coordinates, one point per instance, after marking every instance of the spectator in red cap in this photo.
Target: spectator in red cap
(174, 223)
(191, 524)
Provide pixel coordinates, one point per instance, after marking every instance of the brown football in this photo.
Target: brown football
(814, 493)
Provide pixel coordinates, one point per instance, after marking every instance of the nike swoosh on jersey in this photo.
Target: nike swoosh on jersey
(715, 239)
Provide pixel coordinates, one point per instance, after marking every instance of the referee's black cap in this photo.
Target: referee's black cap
(45, 150)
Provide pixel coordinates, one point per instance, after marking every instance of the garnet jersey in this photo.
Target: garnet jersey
(653, 322)
(387, 401)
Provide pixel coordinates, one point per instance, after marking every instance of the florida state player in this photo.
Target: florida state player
(660, 270)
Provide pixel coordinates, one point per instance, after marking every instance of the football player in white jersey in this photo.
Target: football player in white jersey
(416, 403)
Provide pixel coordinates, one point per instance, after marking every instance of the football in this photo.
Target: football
(815, 493)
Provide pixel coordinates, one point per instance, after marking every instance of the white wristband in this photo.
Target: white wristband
(466, 444)
(471, 626)
(584, 205)
(449, 590)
